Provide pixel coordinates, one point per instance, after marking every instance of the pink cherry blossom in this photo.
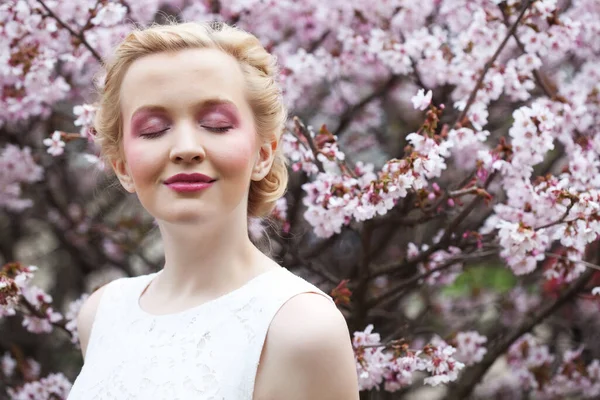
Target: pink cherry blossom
(7, 365)
(55, 144)
(85, 118)
(470, 347)
(50, 387)
(422, 100)
(71, 317)
(109, 15)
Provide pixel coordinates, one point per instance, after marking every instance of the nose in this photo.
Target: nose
(187, 146)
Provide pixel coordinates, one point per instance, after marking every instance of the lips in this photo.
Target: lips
(189, 178)
(185, 183)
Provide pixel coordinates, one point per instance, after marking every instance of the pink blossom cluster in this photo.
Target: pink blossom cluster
(518, 302)
(525, 245)
(535, 127)
(13, 279)
(29, 368)
(522, 246)
(534, 366)
(525, 356)
(532, 135)
(71, 317)
(466, 145)
(396, 369)
(7, 365)
(85, 114)
(469, 347)
(432, 268)
(16, 288)
(53, 386)
(41, 301)
(38, 52)
(299, 154)
(17, 167)
(29, 80)
(334, 200)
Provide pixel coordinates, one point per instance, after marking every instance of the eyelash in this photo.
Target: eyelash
(153, 135)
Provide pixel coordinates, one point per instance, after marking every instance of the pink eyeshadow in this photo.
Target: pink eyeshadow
(227, 111)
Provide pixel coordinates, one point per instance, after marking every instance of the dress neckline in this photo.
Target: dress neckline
(145, 283)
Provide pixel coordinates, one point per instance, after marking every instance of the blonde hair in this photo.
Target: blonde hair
(260, 71)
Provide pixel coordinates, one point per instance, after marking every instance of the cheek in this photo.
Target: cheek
(140, 161)
(237, 156)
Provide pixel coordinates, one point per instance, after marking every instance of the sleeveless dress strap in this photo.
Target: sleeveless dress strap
(255, 317)
(112, 308)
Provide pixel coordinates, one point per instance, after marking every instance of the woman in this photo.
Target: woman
(190, 120)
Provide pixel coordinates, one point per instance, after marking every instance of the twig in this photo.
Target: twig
(215, 6)
(79, 36)
(490, 63)
(319, 41)
(560, 220)
(390, 294)
(466, 211)
(563, 258)
(362, 274)
(352, 111)
(321, 247)
(414, 221)
(39, 314)
(413, 64)
(462, 192)
(292, 217)
(328, 276)
(304, 132)
(473, 375)
(536, 73)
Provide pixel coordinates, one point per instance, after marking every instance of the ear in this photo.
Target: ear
(122, 172)
(264, 160)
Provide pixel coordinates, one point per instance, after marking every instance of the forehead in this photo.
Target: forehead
(178, 79)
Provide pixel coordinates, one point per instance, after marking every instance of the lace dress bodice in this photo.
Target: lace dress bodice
(208, 352)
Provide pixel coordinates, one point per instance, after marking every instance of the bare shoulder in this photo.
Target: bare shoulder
(307, 317)
(86, 316)
(308, 353)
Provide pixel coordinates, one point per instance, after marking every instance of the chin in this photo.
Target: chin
(192, 217)
(185, 215)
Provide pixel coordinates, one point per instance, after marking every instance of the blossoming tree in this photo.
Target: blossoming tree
(445, 161)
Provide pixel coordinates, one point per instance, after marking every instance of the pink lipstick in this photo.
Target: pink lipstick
(189, 182)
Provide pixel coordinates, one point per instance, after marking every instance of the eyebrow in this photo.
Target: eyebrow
(210, 102)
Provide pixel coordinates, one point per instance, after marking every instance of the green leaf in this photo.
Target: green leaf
(486, 276)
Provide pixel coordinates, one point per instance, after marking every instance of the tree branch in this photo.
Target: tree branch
(473, 375)
(536, 74)
(79, 36)
(351, 112)
(390, 295)
(304, 132)
(490, 63)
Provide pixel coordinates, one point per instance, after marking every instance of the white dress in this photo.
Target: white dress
(208, 352)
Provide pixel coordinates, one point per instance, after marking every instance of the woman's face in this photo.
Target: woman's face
(186, 112)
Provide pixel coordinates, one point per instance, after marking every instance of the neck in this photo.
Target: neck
(208, 258)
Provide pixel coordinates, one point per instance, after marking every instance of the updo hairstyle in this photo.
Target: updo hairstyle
(258, 66)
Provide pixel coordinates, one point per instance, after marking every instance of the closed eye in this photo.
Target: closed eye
(152, 135)
(218, 129)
